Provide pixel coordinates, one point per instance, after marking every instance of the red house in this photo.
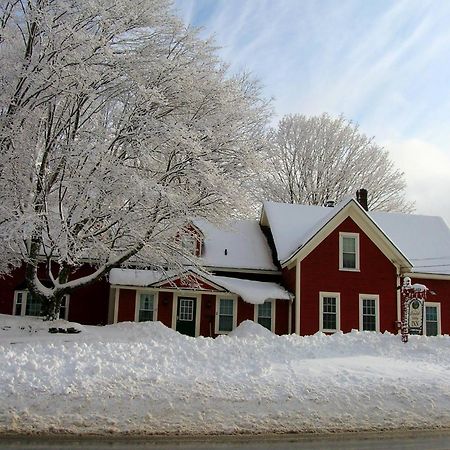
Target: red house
(298, 269)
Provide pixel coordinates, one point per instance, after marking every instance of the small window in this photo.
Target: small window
(226, 315)
(264, 314)
(348, 251)
(329, 312)
(27, 305)
(146, 307)
(369, 313)
(432, 319)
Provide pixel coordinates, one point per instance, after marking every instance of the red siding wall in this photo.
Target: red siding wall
(127, 305)
(165, 304)
(245, 311)
(207, 317)
(282, 316)
(320, 272)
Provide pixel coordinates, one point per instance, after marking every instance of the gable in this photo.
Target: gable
(188, 281)
(308, 226)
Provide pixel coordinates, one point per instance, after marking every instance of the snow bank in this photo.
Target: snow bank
(146, 378)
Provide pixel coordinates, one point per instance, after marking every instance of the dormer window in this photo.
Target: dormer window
(189, 243)
(191, 240)
(349, 251)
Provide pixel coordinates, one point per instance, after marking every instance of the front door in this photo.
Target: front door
(186, 309)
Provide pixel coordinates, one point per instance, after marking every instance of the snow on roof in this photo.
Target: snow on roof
(255, 292)
(424, 240)
(135, 277)
(292, 225)
(241, 245)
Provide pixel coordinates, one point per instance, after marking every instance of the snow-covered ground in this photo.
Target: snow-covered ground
(146, 378)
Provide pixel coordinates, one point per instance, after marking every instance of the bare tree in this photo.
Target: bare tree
(311, 160)
(117, 125)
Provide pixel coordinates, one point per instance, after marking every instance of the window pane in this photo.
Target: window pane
(33, 306)
(369, 322)
(225, 323)
(186, 309)
(265, 322)
(226, 307)
(431, 317)
(226, 310)
(349, 261)
(265, 315)
(349, 245)
(329, 313)
(19, 299)
(265, 310)
(146, 303)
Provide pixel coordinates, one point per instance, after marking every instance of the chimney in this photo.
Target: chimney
(361, 197)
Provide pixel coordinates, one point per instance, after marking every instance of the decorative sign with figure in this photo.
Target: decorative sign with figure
(415, 316)
(414, 297)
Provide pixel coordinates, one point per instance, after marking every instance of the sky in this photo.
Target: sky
(383, 64)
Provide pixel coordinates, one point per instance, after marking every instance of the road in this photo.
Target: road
(429, 440)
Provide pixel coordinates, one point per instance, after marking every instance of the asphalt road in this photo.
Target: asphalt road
(429, 440)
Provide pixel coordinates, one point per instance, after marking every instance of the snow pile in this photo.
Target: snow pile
(146, 378)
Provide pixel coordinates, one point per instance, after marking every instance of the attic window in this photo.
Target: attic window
(349, 251)
(191, 240)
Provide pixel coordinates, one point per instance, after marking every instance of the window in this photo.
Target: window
(432, 319)
(27, 305)
(146, 307)
(369, 313)
(348, 251)
(226, 315)
(265, 314)
(329, 312)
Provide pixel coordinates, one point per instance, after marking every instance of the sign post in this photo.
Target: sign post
(414, 297)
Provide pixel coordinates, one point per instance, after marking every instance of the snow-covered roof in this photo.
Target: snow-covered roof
(250, 291)
(136, 277)
(255, 292)
(239, 245)
(424, 240)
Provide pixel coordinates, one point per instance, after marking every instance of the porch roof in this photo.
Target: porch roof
(254, 292)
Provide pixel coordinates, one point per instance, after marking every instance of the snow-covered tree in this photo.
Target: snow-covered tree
(117, 125)
(311, 160)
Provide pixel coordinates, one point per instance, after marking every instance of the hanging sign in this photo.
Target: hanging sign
(415, 316)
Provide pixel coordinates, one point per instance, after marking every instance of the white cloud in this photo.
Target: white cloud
(427, 171)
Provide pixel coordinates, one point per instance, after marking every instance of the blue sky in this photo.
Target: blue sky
(383, 64)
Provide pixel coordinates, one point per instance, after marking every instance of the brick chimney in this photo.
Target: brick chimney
(361, 197)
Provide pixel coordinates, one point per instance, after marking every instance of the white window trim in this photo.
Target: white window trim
(23, 308)
(375, 297)
(438, 306)
(272, 319)
(336, 295)
(341, 251)
(235, 304)
(137, 303)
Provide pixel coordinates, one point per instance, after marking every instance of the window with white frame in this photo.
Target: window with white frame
(369, 312)
(265, 314)
(329, 312)
(432, 320)
(348, 251)
(226, 313)
(27, 305)
(146, 307)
